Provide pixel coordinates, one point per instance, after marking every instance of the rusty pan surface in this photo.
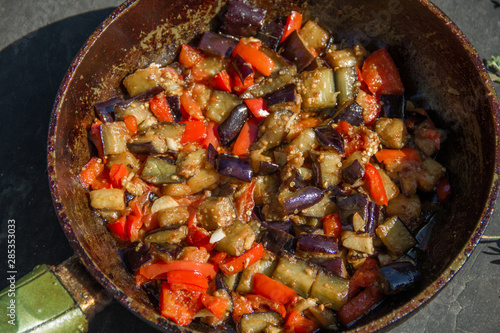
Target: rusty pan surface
(440, 69)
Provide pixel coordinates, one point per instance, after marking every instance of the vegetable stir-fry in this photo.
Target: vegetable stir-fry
(269, 179)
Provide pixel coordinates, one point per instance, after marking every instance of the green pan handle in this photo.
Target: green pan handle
(51, 299)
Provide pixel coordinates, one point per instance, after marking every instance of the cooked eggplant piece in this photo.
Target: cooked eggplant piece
(160, 171)
(283, 95)
(323, 208)
(281, 64)
(104, 110)
(114, 137)
(317, 89)
(276, 237)
(127, 158)
(174, 104)
(399, 276)
(296, 273)
(268, 168)
(243, 19)
(295, 180)
(257, 322)
(212, 155)
(330, 290)
(353, 114)
(315, 36)
(353, 172)
(270, 34)
(239, 238)
(215, 44)
(163, 202)
(223, 190)
(137, 256)
(147, 144)
(245, 283)
(269, 85)
(395, 236)
(342, 58)
(170, 235)
(328, 136)
(274, 129)
(302, 199)
(148, 94)
(190, 164)
(143, 80)
(304, 142)
(393, 106)
(216, 212)
(431, 171)
(172, 216)
(232, 166)
(392, 132)
(348, 206)
(171, 133)
(108, 198)
(297, 51)
(135, 108)
(265, 187)
(406, 208)
(345, 83)
(230, 128)
(204, 179)
(371, 218)
(317, 243)
(335, 265)
(359, 242)
(326, 167)
(241, 67)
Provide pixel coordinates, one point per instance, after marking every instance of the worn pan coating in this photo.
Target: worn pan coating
(440, 69)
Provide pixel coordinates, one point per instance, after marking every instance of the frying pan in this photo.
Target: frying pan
(439, 66)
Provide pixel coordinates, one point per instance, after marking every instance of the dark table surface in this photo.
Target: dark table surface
(38, 40)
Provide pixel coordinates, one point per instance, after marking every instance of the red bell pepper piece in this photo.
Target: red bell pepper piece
(332, 225)
(443, 189)
(117, 173)
(216, 305)
(217, 257)
(260, 303)
(241, 306)
(134, 223)
(246, 138)
(102, 180)
(222, 81)
(352, 141)
(358, 306)
(179, 305)
(190, 56)
(245, 203)
(392, 156)
(240, 87)
(131, 124)
(364, 276)
(258, 107)
(212, 136)
(199, 238)
(160, 108)
(91, 171)
(272, 289)
(190, 106)
(302, 125)
(371, 106)
(299, 324)
(375, 185)
(262, 63)
(158, 269)
(381, 75)
(188, 280)
(233, 265)
(117, 227)
(195, 131)
(293, 22)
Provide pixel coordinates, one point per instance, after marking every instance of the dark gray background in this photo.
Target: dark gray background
(38, 40)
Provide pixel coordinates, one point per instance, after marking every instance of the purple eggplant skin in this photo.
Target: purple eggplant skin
(241, 67)
(296, 50)
(268, 168)
(318, 243)
(286, 226)
(148, 94)
(353, 114)
(232, 166)
(282, 95)
(303, 199)
(137, 256)
(328, 136)
(399, 276)
(174, 103)
(212, 155)
(348, 206)
(270, 34)
(276, 240)
(393, 106)
(243, 19)
(215, 44)
(230, 128)
(333, 265)
(104, 110)
(295, 181)
(372, 218)
(353, 172)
